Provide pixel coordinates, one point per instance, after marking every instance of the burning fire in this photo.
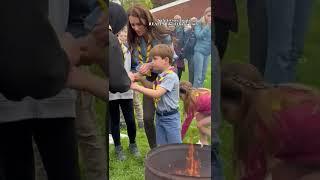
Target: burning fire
(192, 165)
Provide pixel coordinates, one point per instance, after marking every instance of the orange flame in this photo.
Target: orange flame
(192, 165)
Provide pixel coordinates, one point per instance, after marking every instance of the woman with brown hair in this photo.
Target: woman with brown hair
(275, 127)
(143, 34)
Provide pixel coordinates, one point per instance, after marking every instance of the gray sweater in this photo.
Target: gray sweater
(61, 105)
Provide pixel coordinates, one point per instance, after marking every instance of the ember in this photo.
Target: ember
(192, 165)
(178, 162)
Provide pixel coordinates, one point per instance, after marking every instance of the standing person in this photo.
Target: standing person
(137, 105)
(91, 143)
(178, 38)
(225, 20)
(125, 102)
(165, 91)
(142, 36)
(274, 126)
(188, 48)
(202, 49)
(287, 25)
(258, 39)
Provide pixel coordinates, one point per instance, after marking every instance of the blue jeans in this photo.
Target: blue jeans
(168, 129)
(217, 168)
(200, 69)
(287, 25)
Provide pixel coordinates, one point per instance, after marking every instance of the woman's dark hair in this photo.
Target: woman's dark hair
(156, 31)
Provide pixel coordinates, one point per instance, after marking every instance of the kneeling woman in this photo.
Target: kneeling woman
(275, 127)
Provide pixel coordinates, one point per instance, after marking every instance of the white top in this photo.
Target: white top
(127, 66)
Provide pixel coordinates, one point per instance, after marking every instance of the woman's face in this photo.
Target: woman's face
(138, 26)
(208, 17)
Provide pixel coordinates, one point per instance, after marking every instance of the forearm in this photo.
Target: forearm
(146, 83)
(148, 92)
(97, 86)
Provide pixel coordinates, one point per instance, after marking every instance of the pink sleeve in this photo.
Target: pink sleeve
(186, 124)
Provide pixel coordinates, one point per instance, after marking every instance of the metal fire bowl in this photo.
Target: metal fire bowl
(162, 162)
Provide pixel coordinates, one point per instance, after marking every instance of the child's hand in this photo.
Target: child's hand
(134, 86)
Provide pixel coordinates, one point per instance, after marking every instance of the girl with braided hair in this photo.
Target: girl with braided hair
(197, 104)
(274, 126)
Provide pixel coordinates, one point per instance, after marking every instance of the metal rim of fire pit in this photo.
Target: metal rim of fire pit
(171, 146)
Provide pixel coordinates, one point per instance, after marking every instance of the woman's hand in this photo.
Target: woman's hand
(134, 86)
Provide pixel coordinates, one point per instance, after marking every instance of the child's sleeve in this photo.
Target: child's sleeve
(168, 82)
(186, 124)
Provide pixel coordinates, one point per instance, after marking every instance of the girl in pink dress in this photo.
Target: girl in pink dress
(197, 104)
(276, 128)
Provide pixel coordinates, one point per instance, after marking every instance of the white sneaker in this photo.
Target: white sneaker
(111, 139)
(123, 136)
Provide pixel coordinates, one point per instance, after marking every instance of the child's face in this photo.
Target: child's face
(122, 36)
(159, 63)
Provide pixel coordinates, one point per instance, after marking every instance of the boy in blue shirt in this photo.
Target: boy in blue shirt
(165, 91)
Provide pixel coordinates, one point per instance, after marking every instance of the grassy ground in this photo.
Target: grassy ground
(308, 69)
(133, 168)
(308, 73)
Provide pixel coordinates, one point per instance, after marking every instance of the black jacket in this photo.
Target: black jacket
(32, 62)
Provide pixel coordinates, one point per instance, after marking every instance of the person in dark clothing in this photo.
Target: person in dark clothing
(178, 38)
(188, 48)
(225, 20)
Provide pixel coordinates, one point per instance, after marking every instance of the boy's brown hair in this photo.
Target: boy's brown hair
(162, 50)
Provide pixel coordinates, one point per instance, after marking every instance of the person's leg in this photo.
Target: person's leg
(127, 109)
(115, 121)
(280, 31)
(190, 68)
(160, 131)
(198, 66)
(204, 69)
(257, 21)
(40, 171)
(180, 70)
(148, 119)
(137, 105)
(172, 125)
(122, 121)
(56, 140)
(91, 144)
(300, 26)
(221, 35)
(16, 152)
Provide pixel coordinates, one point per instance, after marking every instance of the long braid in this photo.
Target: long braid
(245, 82)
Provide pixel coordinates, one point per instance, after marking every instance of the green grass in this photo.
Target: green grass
(238, 50)
(133, 168)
